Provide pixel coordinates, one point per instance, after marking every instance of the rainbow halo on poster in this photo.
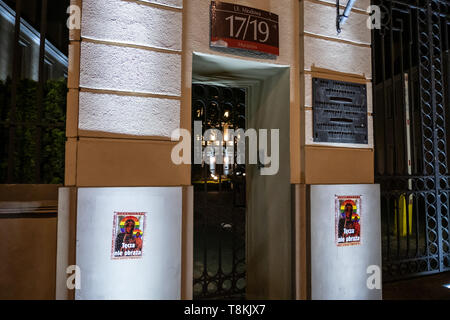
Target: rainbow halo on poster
(348, 220)
(128, 235)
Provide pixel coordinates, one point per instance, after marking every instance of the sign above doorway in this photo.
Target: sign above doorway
(244, 28)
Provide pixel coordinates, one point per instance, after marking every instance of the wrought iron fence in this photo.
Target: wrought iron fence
(411, 121)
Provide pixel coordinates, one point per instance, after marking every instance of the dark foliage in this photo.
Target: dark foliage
(26, 131)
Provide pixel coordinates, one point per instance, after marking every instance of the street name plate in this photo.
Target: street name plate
(239, 27)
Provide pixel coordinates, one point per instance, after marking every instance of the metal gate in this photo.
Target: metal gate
(219, 196)
(411, 120)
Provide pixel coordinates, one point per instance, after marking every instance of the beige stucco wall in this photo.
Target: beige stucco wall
(28, 229)
(134, 85)
(125, 94)
(347, 57)
(124, 100)
(151, 97)
(196, 39)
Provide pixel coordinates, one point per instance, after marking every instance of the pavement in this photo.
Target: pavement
(422, 288)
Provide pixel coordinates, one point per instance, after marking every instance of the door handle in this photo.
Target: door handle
(260, 164)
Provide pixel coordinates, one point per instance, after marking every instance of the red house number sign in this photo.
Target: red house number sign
(240, 27)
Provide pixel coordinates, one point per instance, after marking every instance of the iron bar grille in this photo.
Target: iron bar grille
(32, 113)
(410, 55)
(219, 200)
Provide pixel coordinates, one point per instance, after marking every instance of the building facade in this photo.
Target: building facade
(133, 68)
(55, 61)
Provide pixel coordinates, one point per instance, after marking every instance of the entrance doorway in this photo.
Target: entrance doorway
(219, 197)
(242, 209)
(411, 122)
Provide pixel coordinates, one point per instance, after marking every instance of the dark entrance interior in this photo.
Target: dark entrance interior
(242, 210)
(411, 122)
(219, 196)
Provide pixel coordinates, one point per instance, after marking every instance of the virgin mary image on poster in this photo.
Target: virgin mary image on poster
(348, 227)
(128, 235)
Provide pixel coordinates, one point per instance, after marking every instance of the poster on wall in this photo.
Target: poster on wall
(128, 235)
(348, 220)
(239, 27)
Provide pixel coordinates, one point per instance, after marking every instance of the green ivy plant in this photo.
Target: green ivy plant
(52, 144)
